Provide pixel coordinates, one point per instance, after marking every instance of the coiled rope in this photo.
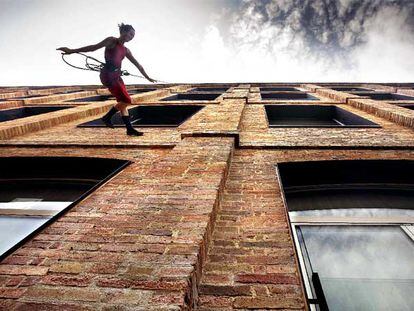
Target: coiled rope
(99, 66)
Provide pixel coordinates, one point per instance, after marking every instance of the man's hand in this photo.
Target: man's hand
(65, 50)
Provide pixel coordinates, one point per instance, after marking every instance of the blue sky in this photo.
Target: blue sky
(214, 41)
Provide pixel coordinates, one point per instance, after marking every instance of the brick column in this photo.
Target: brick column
(138, 241)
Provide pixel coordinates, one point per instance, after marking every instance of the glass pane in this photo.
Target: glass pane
(355, 212)
(15, 229)
(362, 267)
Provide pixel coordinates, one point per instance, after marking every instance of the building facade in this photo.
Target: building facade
(238, 196)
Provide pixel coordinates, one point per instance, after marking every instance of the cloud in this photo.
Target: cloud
(306, 40)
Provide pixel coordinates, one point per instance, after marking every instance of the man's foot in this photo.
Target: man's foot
(134, 132)
(107, 122)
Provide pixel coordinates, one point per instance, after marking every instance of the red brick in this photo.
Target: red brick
(267, 303)
(66, 280)
(26, 270)
(48, 306)
(275, 278)
(14, 280)
(211, 301)
(11, 292)
(229, 290)
(63, 293)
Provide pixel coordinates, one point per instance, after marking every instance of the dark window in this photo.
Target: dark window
(152, 116)
(351, 89)
(98, 98)
(278, 89)
(313, 116)
(192, 96)
(142, 90)
(66, 92)
(210, 89)
(350, 182)
(408, 106)
(18, 113)
(353, 228)
(34, 191)
(384, 96)
(288, 96)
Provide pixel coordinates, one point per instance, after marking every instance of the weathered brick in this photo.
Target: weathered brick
(26, 270)
(64, 293)
(66, 280)
(225, 290)
(267, 303)
(11, 292)
(70, 267)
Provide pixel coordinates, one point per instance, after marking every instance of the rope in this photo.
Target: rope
(96, 67)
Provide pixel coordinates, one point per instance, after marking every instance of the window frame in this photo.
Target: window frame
(407, 228)
(63, 211)
(310, 298)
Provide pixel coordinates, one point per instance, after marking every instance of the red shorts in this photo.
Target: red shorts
(115, 84)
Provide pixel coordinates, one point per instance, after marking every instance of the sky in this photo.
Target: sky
(200, 41)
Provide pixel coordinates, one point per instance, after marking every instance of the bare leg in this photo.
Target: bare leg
(122, 107)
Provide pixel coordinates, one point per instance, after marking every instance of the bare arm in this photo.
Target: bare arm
(89, 48)
(138, 65)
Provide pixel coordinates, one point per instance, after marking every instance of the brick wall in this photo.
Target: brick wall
(197, 221)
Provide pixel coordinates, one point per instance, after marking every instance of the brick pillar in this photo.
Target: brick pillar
(138, 241)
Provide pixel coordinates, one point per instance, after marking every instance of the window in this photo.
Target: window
(353, 227)
(384, 96)
(18, 113)
(98, 98)
(350, 89)
(34, 191)
(313, 116)
(192, 96)
(287, 95)
(141, 90)
(408, 106)
(279, 89)
(152, 116)
(210, 89)
(66, 92)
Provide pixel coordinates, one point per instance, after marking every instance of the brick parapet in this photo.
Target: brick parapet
(58, 99)
(341, 97)
(255, 133)
(216, 120)
(406, 91)
(311, 87)
(53, 90)
(380, 88)
(394, 113)
(13, 94)
(11, 104)
(33, 124)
